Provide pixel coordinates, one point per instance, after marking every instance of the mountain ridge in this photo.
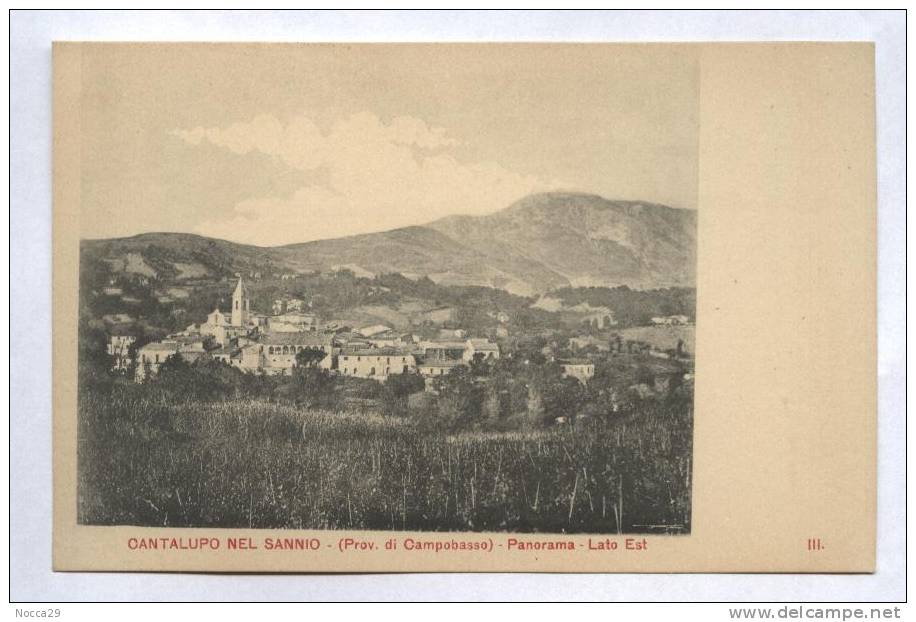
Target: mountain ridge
(538, 243)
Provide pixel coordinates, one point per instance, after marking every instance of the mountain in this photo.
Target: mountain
(584, 240)
(542, 242)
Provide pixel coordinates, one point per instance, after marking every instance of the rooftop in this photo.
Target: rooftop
(376, 352)
(435, 344)
(575, 362)
(375, 329)
(160, 346)
(292, 316)
(483, 344)
(301, 338)
(438, 363)
(179, 338)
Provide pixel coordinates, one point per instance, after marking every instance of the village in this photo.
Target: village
(291, 336)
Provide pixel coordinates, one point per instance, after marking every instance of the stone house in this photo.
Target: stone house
(433, 368)
(582, 370)
(151, 356)
(484, 347)
(443, 350)
(375, 363)
(292, 322)
(375, 329)
(279, 350)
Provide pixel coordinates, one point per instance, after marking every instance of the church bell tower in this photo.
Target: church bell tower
(240, 305)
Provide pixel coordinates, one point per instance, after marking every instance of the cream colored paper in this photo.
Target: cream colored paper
(785, 401)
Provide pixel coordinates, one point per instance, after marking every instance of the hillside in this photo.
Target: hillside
(543, 242)
(587, 240)
(174, 257)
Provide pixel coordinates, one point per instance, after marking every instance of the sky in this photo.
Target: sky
(277, 144)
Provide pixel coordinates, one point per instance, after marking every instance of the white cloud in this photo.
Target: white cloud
(379, 176)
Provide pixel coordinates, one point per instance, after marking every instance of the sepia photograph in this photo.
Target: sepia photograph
(461, 306)
(379, 308)
(414, 288)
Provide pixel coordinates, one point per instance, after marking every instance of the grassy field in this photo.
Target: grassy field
(147, 460)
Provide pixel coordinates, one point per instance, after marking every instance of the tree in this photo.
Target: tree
(403, 385)
(310, 357)
(310, 386)
(559, 396)
(528, 349)
(507, 389)
(398, 388)
(205, 379)
(479, 366)
(616, 343)
(644, 375)
(460, 399)
(92, 345)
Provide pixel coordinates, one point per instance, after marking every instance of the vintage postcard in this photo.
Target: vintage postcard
(464, 307)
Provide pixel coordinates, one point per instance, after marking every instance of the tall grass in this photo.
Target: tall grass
(146, 460)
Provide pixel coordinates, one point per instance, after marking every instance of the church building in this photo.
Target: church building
(241, 304)
(222, 327)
